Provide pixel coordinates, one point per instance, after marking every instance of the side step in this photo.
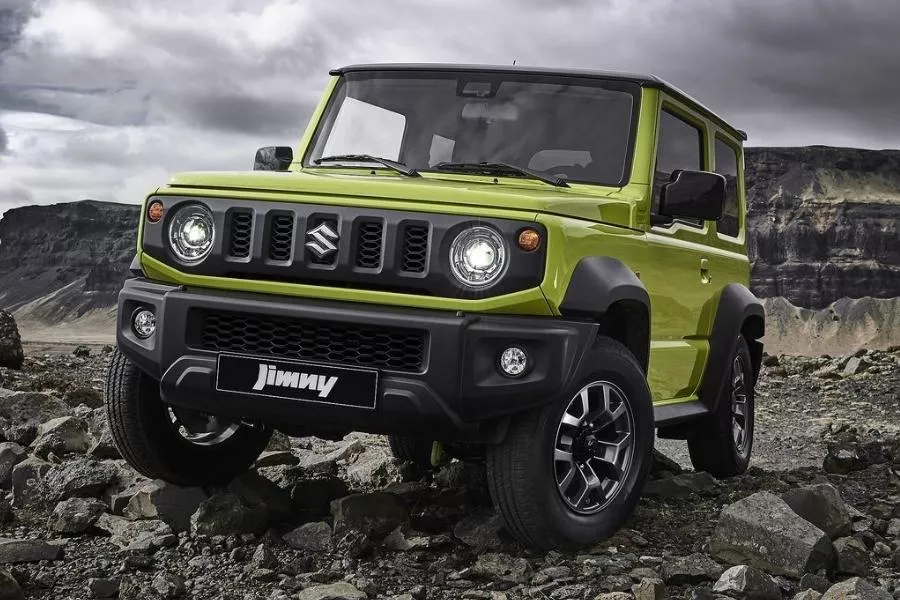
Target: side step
(682, 412)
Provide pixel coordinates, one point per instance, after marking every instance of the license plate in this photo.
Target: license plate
(297, 380)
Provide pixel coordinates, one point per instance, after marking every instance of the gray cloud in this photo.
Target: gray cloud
(4, 143)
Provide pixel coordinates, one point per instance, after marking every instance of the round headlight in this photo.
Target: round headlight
(478, 257)
(191, 233)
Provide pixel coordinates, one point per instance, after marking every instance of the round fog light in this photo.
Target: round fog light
(513, 361)
(143, 323)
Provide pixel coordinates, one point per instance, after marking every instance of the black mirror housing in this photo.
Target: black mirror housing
(273, 158)
(693, 195)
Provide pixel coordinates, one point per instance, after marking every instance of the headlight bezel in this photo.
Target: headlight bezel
(472, 277)
(177, 218)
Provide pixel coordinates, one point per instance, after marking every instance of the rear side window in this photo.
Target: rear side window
(680, 147)
(727, 166)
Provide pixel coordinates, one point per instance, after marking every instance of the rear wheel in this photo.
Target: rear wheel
(722, 443)
(180, 446)
(570, 473)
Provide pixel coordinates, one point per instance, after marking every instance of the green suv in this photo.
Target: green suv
(534, 268)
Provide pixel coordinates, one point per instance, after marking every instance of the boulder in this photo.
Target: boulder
(332, 591)
(23, 412)
(80, 478)
(62, 435)
(822, 506)
(134, 535)
(852, 556)
(172, 504)
(663, 466)
(685, 484)
(257, 490)
(814, 581)
(480, 531)
(102, 587)
(81, 394)
(19, 551)
(855, 366)
(228, 514)
(747, 583)
(374, 468)
(807, 594)
(274, 458)
(312, 498)
(168, 585)
(692, 569)
(498, 566)
(11, 353)
(649, 588)
(312, 537)
(263, 558)
(81, 351)
(404, 539)
(374, 514)
(75, 515)
(856, 588)
(11, 454)
(761, 530)
(9, 587)
(28, 481)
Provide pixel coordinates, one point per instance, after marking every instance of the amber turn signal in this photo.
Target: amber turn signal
(529, 240)
(155, 211)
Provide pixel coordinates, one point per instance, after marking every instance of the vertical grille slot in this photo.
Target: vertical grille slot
(414, 252)
(369, 241)
(281, 237)
(240, 233)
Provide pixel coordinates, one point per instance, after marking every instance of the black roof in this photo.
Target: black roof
(651, 81)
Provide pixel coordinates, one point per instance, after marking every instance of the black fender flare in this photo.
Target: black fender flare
(739, 313)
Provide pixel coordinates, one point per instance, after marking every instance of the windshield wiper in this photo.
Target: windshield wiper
(499, 168)
(390, 164)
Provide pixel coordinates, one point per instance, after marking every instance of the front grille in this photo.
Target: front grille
(348, 344)
(415, 249)
(368, 249)
(240, 232)
(281, 237)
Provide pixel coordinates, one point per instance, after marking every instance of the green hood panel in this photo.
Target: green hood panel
(592, 203)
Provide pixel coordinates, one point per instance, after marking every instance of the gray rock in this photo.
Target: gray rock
(228, 514)
(852, 556)
(374, 468)
(312, 465)
(856, 589)
(763, 531)
(28, 481)
(312, 498)
(11, 454)
(257, 490)
(11, 354)
(692, 569)
(104, 445)
(168, 585)
(9, 587)
(480, 531)
(893, 529)
(23, 412)
(844, 458)
(374, 514)
(807, 594)
(101, 587)
(813, 581)
(263, 558)
(75, 515)
(649, 589)
(404, 539)
(681, 485)
(855, 366)
(81, 394)
(662, 465)
(19, 551)
(80, 478)
(312, 537)
(132, 588)
(822, 506)
(498, 566)
(747, 582)
(274, 458)
(332, 591)
(608, 596)
(172, 504)
(134, 535)
(62, 435)
(81, 351)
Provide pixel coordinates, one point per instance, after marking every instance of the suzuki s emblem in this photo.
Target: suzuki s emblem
(321, 240)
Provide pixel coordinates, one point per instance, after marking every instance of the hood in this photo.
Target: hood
(593, 203)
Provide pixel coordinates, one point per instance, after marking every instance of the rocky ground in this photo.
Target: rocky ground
(818, 513)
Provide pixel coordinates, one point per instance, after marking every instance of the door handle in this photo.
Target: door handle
(705, 276)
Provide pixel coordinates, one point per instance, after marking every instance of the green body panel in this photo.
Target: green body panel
(684, 268)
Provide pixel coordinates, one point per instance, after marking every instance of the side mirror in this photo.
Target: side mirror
(273, 158)
(693, 194)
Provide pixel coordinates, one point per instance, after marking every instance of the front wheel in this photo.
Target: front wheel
(179, 446)
(570, 473)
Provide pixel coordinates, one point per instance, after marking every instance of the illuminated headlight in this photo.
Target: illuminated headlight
(513, 361)
(478, 257)
(143, 323)
(191, 233)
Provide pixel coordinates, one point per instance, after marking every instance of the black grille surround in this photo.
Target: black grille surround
(319, 341)
(374, 249)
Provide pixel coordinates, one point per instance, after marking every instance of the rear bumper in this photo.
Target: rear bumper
(458, 392)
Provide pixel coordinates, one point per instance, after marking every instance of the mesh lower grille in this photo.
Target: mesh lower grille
(414, 256)
(241, 231)
(395, 349)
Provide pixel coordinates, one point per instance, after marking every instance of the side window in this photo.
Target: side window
(680, 147)
(727, 166)
(363, 128)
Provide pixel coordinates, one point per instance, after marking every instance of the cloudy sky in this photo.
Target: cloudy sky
(105, 98)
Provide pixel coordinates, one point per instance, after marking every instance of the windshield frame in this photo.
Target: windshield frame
(329, 111)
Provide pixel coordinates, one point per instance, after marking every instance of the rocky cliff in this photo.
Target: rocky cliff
(824, 223)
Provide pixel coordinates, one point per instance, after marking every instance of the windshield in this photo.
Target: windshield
(578, 129)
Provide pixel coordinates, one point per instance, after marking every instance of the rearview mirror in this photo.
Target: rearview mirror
(273, 158)
(694, 195)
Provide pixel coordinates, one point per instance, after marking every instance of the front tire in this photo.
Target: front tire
(161, 442)
(723, 442)
(570, 473)
(410, 449)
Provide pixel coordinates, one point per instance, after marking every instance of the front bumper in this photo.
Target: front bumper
(457, 392)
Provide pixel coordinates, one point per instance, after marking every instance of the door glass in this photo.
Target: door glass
(726, 165)
(680, 147)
